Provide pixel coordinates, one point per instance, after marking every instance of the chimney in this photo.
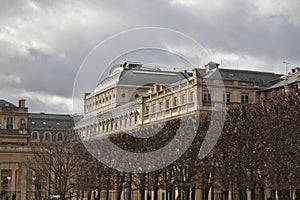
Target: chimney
(211, 65)
(22, 103)
(156, 87)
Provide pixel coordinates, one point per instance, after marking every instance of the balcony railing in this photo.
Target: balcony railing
(13, 132)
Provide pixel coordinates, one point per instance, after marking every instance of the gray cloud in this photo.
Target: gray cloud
(43, 43)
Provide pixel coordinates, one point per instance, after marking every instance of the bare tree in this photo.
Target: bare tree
(56, 165)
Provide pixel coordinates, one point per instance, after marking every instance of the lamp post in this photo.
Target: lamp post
(286, 66)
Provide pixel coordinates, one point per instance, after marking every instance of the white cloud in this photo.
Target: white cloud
(231, 60)
(275, 8)
(10, 79)
(184, 2)
(50, 102)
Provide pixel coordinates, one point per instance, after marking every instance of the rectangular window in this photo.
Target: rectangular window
(167, 103)
(192, 96)
(9, 124)
(154, 108)
(244, 98)
(160, 105)
(147, 110)
(183, 99)
(206, 97)
(175, 101)
(226, 97)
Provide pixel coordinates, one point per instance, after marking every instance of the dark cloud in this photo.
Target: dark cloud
(43, 43)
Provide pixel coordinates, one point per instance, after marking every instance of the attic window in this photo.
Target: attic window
(6, 105)
(57, 123)
(44, 123)
(33, 123)
(231, 74)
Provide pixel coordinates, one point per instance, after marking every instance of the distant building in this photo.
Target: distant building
(48, 127)
(284, 84)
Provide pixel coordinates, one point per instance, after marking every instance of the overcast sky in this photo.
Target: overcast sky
(44, 43)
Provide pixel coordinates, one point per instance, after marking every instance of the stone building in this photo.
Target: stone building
(14, 139)
(284, 84)
(48, 127)
(122, 102)
(18, 130)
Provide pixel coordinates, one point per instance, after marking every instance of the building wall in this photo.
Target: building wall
(13, 150)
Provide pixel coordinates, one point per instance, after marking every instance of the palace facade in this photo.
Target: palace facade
(133, 96)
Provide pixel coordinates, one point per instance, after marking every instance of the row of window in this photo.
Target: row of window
(226, 97)
(167, 105)
(206, 98)
(100, 101)
(10, 123)
(44, 123)
(47, 136)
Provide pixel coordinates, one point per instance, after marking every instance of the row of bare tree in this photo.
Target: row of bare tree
(259, 148)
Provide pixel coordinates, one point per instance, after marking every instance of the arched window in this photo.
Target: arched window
(59, 137)
(22, 124)
(35, 135)
(47, 136)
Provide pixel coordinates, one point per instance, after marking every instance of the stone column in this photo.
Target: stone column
(0, 180)
(23, 184)
(199, 194)
(230, 195)
(248, 194)
(13, 181)
(267, 193)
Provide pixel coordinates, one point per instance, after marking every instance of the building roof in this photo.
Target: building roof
(40, 121)
(287, 79)
(136, 75)
(4, 103)
(263, 79)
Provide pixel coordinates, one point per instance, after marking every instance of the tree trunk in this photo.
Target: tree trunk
(252, 193)
(171, 194)
(156, 193)
(129, 187)
(225, 194)
(193, 195)
(205, 193)
(99, 194)
(187, 193)
(89, 195)
(262, 193)
(107, 194)
(156, 187)
(242, 194)
(119, 193)
(142, 193)
(167, 194)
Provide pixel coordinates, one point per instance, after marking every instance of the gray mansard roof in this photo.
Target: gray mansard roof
(139, 76)
(42, 121)
(287, 79)
(4, 103)
(263, 79)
